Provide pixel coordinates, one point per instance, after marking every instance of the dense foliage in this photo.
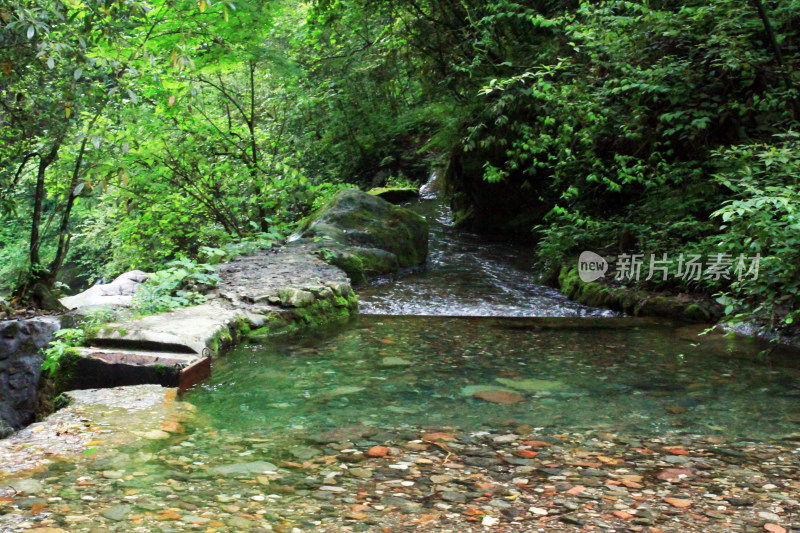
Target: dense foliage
(138, 132)
(654, 127)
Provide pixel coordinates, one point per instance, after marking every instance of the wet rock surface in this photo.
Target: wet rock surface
(188, 330)
(258, 279)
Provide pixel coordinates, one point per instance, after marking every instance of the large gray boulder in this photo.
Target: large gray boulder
(365, 235)
(118, 293)
(20, 367)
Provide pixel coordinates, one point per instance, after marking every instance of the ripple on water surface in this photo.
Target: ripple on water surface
(468, 275)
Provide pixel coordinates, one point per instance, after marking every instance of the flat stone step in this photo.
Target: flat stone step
(113, 367)
(187, 330)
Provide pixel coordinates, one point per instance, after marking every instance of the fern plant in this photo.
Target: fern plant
(63, 344)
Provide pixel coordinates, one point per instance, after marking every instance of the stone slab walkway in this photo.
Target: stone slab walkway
(176, 348)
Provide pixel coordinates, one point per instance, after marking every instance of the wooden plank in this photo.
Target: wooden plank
(193, 374)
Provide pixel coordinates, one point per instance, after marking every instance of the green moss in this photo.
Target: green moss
(223, 340)
(214, 346)
(351, 264)
(353, 299)
(377, 261)
(593, 294)
(361, 263)
(569, 282)
(321, 313)
(377, 191)
(62, 375)
(241, 327)
(263, 331)
(698, 313)
(395, 195)
(61, 401)
(633, 301)
(657, 306)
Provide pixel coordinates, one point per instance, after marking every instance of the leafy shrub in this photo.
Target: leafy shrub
(763, 219)
(182, 284)
(63, 344)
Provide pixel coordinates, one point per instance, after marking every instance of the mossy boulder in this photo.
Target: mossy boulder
(365, 235)
(292, 297)
(395, 195)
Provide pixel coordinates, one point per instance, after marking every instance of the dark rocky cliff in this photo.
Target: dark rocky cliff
(20, 368)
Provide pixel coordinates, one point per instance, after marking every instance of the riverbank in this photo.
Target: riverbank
(687, 307)
(637, 302)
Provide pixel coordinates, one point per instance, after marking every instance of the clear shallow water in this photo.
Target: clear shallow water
(467, 275)
(307, 403)
(630, 375)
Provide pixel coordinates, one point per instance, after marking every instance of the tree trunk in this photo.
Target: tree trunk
(63, 229)
(794, 106)
(44, 162)
(251, 126)
(36, 288)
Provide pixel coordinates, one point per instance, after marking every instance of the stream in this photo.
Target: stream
(468, 275)
(474, 318)
(428, 412)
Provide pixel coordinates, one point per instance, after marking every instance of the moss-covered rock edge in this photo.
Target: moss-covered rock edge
(322, 312)
(635, 302)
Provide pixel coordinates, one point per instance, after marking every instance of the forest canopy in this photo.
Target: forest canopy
(138, 132)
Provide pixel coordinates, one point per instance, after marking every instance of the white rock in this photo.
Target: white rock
(489, 521)
(506, 438)
(119, 292)
(772, 517)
